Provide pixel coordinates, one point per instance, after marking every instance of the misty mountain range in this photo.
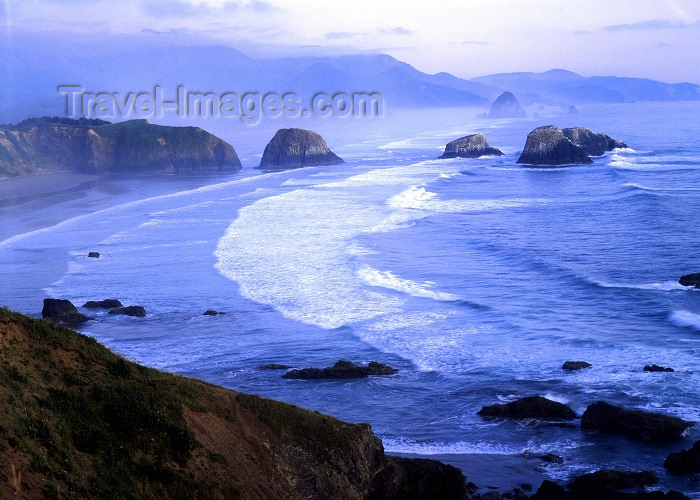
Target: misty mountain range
(30, 88)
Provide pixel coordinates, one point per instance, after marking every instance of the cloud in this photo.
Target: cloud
(340, 35)
(652, 24)
(471, 42)
(395, 31)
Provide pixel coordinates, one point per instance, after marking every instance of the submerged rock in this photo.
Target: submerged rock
(529, 407)
(635, 424)
(94, 255)
(592, 143)
(548, 145)
(507, 105)
(104, 304)
(685, 460)
(690, 280)
(296, 148)
(62, 311)
(470, 146)
(210, 312)
(136, 311)
(342, 369)
(575, 365)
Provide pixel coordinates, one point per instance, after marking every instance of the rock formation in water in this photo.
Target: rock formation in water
(342, 370)
(635, 424)
(62, 312)
(93, 146)
(529, 407)
(685, 460)
(575, 365)
(296, 148)
(507, 105)
(548, 145)
(592, 143)
(692, 279)
(470, 146)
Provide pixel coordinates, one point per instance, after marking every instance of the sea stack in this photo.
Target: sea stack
(507, 105)
(296, 148)
(470, 146)
(549, 146)
(593, 144)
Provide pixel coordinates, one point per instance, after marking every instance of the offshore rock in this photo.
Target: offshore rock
(470, 146)
(575, 365)
(94, 255)
(657, 368)
(692, 279)
(104, 304)
(341, 370)
(634, 424)
(685, 460)
(529, 407)
(136, 311)
(62, 311)
(548, 145)
(507, 105)
(95, 146)
(296, 148)
(592, 143)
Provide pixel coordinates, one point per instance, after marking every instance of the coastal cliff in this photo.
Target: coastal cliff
(40, 145)
(82, 422)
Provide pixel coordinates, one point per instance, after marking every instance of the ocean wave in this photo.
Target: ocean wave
(641, 187)
(685, 319)
(664, 286)
(386, 279)
(414, 197)
(402, 445)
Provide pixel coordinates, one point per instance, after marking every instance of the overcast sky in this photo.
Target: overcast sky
(657, 39)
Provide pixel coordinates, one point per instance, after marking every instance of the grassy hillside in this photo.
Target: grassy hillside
(78, 421)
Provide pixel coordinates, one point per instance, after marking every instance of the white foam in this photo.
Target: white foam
(387, 279)
(402, 445)
(413, 197)
(661, 286)
(685, 319)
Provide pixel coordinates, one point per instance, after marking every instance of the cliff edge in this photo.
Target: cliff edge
(82, 422)
(92, 146)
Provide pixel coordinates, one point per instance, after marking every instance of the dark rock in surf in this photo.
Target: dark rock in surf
(274, 366)
(529, 407)
(94, 255)
(507, 105)
(62, 311)
(598, 484)
(104, 304)
(685, 460)
(592, 143)
(690, 280)
(470, 146)
(657, 368)
(548, 145)
(341, 370)
(136, 311)
(635, 424)
(575, 365)
(549, 490)
(210, 312)
(418, 478)
(296, 148)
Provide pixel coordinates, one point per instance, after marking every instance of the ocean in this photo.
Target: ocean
(476, 278)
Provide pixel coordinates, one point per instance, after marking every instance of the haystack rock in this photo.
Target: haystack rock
(507, 105)
(296, 148)
(470, 146)
(549, 146)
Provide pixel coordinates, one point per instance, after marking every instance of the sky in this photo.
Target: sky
(657, 39)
